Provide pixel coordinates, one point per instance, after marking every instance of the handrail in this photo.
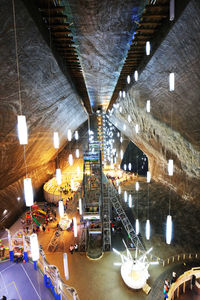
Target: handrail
(185, 277)
(179, 257)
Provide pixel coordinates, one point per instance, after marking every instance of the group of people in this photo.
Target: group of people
(73, 248)
(167, 285)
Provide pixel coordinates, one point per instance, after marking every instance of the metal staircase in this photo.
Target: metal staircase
(115, 199)
(106, 221)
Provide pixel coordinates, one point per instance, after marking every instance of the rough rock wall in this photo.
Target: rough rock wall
(104, 30)
(48, 102)
(172, 129)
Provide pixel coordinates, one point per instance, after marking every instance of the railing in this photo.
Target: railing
(180, 257)
(181, 283)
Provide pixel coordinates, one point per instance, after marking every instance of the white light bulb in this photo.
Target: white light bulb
(76, 135)
(69, 135)
(128, 79)
(130, 201)
(137, 128)
(137, 227)
(148, 106)
(148, 176)
(148, 48)
(119, 190)
(136, 75)
(120, 94)
(70, 159)
(129, 118)
(148, 230)
(121, 154)
(75, 226)
(124, 127)
(137, 186)
(80, 206)
(22, 130)
(58, 176)
(170, 167)
(28, 192)
(34, 247)
(124, 94)
(169, 229)
(129, 166)
(77, 153)
(171, 82)
(125, 167)
(125, 196)
(56, 140)
(61, 209)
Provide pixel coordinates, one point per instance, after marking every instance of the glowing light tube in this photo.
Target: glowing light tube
(148, 230)
(124, 127)
(75, 226)
(28, 192)
(70, 159)
(169, 229)
(148, 48)
(124, 94)
(22, 130)
(148, 176)
(136, 75)
(69, 135)
(129, 118)
(137, 186)
(61, 209)
(170, 167)
(130, 201)
(125, 196)
(128, 79)
(80, 206)
(137, 128)
(121, 139)
(56, 140)
(34, 247)
(171, 82)
(58, 176)
(125, 167)
(148, 106)
(120, 94)
(65, 264)
(119, 190)
(76, 135)
(77, 153)
(137, 227)
(121, 154)
(129, 166)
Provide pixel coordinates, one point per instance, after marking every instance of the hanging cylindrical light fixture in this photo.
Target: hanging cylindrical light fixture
(148, 48)
(148, 230)
(172, 10)
(65, 264)
(119, 190)
(125, 167)
(171, 82)
(77, 153)
(129, 118)
(136, 75)
(124, 94)
(148, 176)
(80, 206)
(169, 229)
(72, 184)
(125, 196)
(61, 209)
(124, 127)
(76, 135)
(121, 139)
(70, 159)
(78, 170)
(58, 176)
(118, 134)
(120, 94)
(34, 249)
(137, 128)
(128, 79)
(69, 135)
(56, 140)
(148, 106)
(129, 166)
(170, 167)
(28, 192)
(22, 130)
(120, 109)
(130, 200)
(75, 226)
(137, 186)
(137, 227)
(121, 154)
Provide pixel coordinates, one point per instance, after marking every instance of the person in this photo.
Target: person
(4, 298)
(71, 249)
(174, 277)
(75, 247)
(166, 289)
